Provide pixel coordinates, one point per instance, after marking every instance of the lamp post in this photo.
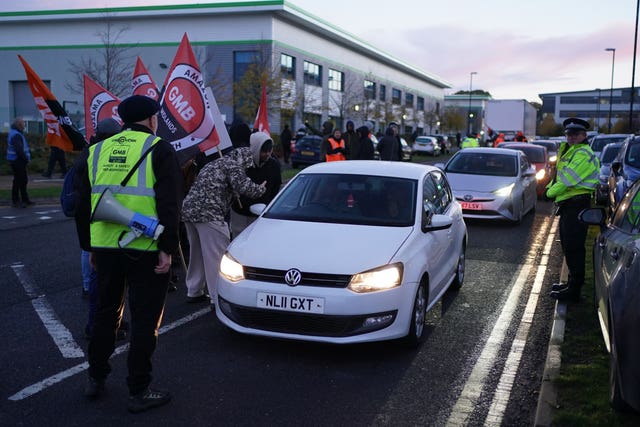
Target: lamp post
(598, 113)
(613, 63)
(469, 116)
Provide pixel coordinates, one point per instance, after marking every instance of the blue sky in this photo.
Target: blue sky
(519, 48)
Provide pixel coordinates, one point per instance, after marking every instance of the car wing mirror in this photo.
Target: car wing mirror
(616, 167)
(439, 166)
(593, 216)
(257, 208)
(436, 222)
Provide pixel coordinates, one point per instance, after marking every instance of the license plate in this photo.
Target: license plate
(290, 303)
(307, 153)
(471, 206)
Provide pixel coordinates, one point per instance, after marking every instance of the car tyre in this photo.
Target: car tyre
(417, 326)
(458, 279)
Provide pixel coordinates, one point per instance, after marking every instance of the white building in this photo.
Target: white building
(325, 72)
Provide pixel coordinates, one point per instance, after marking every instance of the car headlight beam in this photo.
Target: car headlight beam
(231, 269)
(504, 191)
(377, 279)
(540, 174)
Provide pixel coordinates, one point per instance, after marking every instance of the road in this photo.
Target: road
(481, 364)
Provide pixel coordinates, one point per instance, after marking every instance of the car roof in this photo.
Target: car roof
(426, 137)
(372, 167)
(489, 150)
(611, 135)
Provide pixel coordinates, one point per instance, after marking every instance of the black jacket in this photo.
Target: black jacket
(390, 147)
(270, 172)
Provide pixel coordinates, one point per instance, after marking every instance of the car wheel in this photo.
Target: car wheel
(416, 333)
(458, 279)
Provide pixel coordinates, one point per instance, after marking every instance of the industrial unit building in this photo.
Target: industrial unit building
(323, 72)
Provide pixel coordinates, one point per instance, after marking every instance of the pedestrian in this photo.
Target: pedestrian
(351, 141)
(470, 141)
(520, 137)
(334, 147)
(267, 170)
(56, 155)
(491, 137)
(366, 150)
(205, 211)
(18, 156)
(142, 266)
(458, 139)
(390, 147)
(572, 188)
(499, 139)
(285, 143)
(327, 131)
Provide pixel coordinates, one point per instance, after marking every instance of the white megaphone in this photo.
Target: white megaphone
(109, 209)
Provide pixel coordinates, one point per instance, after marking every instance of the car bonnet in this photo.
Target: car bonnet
(478, 183)
(317, 247)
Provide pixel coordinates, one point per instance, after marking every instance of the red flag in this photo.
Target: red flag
(185, 116)
(262, 121)
(142, 83)
(60, 130)
(99, 104)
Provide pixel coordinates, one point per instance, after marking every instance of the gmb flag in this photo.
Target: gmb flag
(185, 111)
(60, 130)
(99, 104)
(262, 119)
(142, 83)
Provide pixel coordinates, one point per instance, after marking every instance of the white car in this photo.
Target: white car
(347, 252)
(426, 145)
(493, 183)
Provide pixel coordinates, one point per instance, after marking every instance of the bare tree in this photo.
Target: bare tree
(113, 69)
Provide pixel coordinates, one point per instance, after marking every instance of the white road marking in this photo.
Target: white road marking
(466, 403)
(62, 337)
(54, 379)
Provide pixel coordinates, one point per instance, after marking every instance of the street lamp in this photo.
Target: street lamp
(469, 115)
(598, 114)
(613, 63)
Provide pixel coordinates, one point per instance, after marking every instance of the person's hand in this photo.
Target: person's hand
(164, 263)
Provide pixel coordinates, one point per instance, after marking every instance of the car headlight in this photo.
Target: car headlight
(504, 191)
(553, 159)
(377, 279)
(231, 269)
(540, 174)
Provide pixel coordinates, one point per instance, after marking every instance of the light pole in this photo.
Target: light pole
(613, 63)
(598, 114)
(469, 116)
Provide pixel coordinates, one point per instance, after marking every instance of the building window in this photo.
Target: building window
(369, 89)
(288, 66)
(336, 80)
(396, 96)
(408, 100)
(383, 93)
(420, 104)
(312, 74)
(242, 60)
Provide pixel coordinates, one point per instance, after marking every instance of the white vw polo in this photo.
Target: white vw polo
(348, 252)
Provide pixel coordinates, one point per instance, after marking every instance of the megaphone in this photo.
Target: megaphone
(109, 209)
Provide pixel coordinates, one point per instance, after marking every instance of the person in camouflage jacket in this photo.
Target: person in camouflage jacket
(204, 212)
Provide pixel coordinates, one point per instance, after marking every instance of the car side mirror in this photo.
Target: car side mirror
(439, 166)
(257, 209)
(530, 172)
(616, 167)
(436, 222)
(593, 216)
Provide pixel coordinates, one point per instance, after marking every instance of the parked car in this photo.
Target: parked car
(539, 158)
(306, 151)
(552, 149)
(608, 154)
(407, 152)
(625, 170)
(599, 141)
(426, 145)
(370, 250)
(492, 183)
(445, 144)
(616, 267)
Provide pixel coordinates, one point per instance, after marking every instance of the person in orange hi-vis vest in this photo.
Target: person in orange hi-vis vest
(335, 148)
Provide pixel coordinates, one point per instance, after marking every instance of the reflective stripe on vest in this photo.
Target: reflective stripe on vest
(108, 163)
(335, 144)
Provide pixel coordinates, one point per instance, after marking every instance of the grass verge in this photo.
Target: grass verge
(583, 383)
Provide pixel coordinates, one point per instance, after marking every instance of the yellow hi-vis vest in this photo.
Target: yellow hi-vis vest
(577, 172)
(108, 164)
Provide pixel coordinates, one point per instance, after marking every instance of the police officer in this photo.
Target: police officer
(470, 141)
(141, 267)
(572, 189)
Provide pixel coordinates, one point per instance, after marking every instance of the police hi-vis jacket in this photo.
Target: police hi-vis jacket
(577, 172)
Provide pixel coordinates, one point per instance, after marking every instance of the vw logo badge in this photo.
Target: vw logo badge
(468, 197)
(292, 277)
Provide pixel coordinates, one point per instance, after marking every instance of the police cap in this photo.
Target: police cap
(137, 108)
(574, 123)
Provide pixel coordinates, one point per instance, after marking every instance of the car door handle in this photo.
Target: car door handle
(614, 254)
(602, 242)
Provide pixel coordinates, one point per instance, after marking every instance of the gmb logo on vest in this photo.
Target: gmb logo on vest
(119, 152)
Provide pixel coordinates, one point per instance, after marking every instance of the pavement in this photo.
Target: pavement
(547, 398)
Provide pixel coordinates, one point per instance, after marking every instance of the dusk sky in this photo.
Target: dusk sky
(519, 49)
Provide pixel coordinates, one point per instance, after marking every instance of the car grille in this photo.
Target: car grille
(300, 324)
(308, 279)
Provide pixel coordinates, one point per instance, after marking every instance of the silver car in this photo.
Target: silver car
(616, 267)
(493, 183)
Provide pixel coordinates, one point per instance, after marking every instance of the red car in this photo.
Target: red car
(539, 158)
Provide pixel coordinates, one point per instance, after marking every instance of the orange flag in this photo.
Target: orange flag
(99, 104)
(60, 130)
(262, 121)
(142, 83)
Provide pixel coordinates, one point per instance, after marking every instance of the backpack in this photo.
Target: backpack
(67, 195)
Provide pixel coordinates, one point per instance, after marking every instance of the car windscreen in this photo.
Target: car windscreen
(599, 143)
(551, 147)
(633, 155)
(347, 199)
(609, 154)
(474, 163)
(534, 154)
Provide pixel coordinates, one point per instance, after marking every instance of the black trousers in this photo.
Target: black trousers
(19, 185)
(56, 156)
(573, 235)
(119, 271)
